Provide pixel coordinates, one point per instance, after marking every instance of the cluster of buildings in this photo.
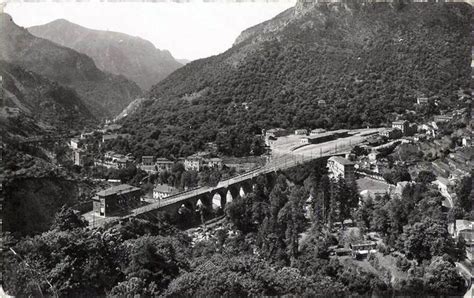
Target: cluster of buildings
(113, 160)
(80, 148)
(399, 129)
(197, 162)
(153, 165)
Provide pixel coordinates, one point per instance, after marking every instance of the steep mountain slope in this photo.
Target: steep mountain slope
(104, 93)
(117, 53)
(365, 61)
(43, 100)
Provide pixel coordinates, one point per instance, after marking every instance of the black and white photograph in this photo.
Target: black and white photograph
(236, 148)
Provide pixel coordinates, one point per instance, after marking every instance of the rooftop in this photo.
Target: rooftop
(194, 157)
(362, 244)
(400, 122)
(215, 159)
(119, 189)
(327, 133)
(162, 159)
(276, 129)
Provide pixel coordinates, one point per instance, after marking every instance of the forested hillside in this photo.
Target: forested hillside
(258, 251)
(366, 61)
(104, 94)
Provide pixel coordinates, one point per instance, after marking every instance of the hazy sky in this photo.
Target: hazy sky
(189, 30)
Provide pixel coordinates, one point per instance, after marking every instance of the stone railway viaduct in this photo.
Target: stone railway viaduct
(223, 193)
(230, 189)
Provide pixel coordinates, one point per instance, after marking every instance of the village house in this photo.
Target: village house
(81, 157)
(163, 164)
(116, 199)
(317, 131)
(276, 132)
(214, 162)
(427, 129)
(442, 118)
(402, 125)
(422, 100)
(341, 167)
(75, 143)
(211, 147)
(148, 160)
(363, 249)
(466, 141)
(301, 132)
(114, 182)
(161, 191)
(148, 164)
(392, 133)
(193, 163)
(121, 161)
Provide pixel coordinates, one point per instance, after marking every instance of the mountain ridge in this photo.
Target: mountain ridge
(131, 56)
(105, 94)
